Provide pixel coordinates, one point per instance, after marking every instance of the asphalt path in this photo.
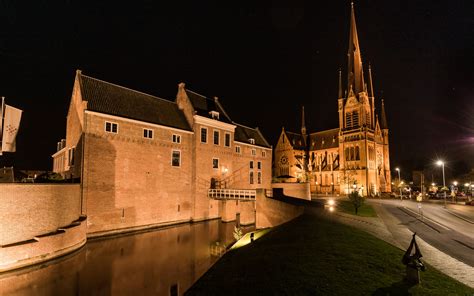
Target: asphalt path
(450, 230)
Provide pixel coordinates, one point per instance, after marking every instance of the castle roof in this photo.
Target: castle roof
(324, 139)
(204, 105)
(112, 99)
(245, 133)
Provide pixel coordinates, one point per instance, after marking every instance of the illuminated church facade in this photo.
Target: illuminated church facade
(354, 156)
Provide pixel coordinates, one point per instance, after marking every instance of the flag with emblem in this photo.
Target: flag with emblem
(11, 124)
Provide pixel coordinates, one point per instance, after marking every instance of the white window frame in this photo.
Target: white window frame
(225, 138)
(253, 152)
(111, 127)
(214, 115)
(264, 153)
(148, 130)
(172, 152)
(175, 138)
(218, 137)
(200, 134)
(215, 158)
(238, 149)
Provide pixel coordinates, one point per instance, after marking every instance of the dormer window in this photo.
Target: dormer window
(214, 115)
(252, 141)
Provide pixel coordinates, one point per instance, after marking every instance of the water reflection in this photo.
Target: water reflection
(161, 262)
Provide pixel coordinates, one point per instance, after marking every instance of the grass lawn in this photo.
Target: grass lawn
(347, 207)
(313, 255)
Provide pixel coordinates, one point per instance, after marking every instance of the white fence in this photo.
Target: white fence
(245, 194)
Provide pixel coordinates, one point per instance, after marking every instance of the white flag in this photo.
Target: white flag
(11, 124)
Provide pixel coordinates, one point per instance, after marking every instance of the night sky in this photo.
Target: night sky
(263, 59)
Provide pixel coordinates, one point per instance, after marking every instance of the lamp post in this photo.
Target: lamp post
(441, 163)
(399, 183)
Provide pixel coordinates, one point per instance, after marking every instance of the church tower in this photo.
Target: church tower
(363, 143)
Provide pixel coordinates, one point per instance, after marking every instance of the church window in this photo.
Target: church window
(203, 135)
(347, 154)
(352, 154)
(216, 137)
(355, 118)
(176, 158)
(227, 140)
(111, 127)
(357, 156)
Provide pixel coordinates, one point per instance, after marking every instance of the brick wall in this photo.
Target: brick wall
(28, 210)
(271, 212)
(129, 180)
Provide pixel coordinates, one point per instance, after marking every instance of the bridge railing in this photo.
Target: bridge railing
(242, 194)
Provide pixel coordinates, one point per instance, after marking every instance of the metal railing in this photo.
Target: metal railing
(246, 194)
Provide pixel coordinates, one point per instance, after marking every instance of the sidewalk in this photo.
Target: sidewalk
(388, 228)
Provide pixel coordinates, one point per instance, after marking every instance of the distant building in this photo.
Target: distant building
(144, 160)
(353, 156)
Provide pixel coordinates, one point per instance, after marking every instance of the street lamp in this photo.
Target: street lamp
(441, 163)
(399, 183)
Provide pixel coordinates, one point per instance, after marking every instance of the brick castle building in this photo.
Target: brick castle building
(143, 160)
(353, 156)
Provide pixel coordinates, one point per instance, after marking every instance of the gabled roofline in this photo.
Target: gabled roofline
(123, 87)
(333, 129)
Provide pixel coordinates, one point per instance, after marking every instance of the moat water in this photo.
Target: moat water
(161, 262)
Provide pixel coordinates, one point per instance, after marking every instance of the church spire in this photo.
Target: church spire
(355, 75)
(371, 89)
(383, 122)
(303, 126)
(340, 84)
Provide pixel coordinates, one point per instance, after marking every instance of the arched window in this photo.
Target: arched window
(347, 154)
(352, 154)
(357, 156)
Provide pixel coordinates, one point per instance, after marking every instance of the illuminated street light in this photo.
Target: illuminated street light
(399, 183)
(441, 163)
(455, 183)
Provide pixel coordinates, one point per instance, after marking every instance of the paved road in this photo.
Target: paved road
(450, 230)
